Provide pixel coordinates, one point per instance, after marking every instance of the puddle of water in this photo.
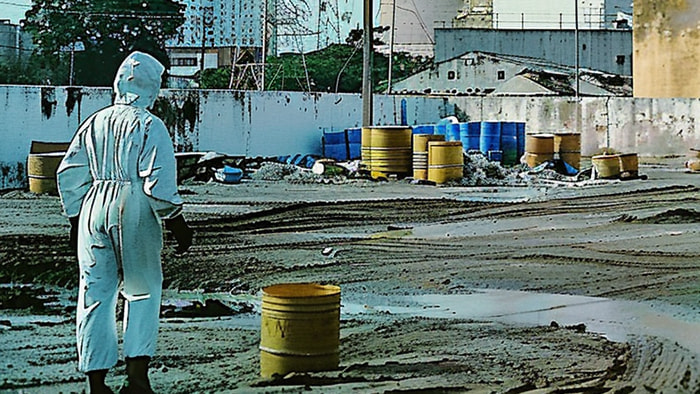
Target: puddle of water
(616, 320)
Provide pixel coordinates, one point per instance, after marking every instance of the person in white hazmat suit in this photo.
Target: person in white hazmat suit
(117, 184)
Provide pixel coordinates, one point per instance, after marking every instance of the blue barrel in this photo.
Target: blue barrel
(355, 151)
(495, 155)
(424, 129)
(490, 137)
(520, 133)
(334, 138)
(509, 143)
(354, 135)
(469, 135)
(452, 132)
(441, 129)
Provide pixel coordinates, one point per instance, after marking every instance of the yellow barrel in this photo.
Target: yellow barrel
(300, 329)
(540, 143)
(445, 161)
(607, 166)
(629, 165)
(420, 153)
(41, 171)
(386, 150)
(365, 152)
(534, 159)
(568, 146)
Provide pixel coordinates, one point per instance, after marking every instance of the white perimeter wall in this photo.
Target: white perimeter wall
(285, 123)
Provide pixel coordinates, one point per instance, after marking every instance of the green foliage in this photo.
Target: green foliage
(108, 29)
(215, 78)
(33, 70)
(337, 68)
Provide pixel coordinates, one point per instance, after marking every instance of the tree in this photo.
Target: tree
(108, 30)
(336, 68)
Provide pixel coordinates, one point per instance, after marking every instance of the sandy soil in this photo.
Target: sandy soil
(392, 246)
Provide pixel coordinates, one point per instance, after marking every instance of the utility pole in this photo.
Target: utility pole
(367, 61)
(391, 43)
(578, 83)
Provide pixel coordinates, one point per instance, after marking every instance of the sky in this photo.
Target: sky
(14, 9)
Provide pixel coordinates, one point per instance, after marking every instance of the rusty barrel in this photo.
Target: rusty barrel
(41, 172)
(568, 146)
(538, 149)
(300, 328)
(445, 161)
(629, 165)
(606, 166)
(420, 153)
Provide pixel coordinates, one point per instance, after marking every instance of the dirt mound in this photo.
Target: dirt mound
(673, 216)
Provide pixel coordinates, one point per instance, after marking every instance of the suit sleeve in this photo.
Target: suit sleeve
(158, 168)
(73, 175)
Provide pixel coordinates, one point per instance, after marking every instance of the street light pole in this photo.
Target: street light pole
(367, 56)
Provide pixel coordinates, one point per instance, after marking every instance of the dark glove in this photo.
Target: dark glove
(182, 232)
(73, 237)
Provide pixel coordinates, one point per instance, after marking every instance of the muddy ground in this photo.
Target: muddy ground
(391, 246)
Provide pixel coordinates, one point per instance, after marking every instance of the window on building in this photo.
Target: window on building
(620, 59)
(185, 61)
(501, 75)
(451, 75)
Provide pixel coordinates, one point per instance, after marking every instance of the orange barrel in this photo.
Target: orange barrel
(538, 149)
(607, 166)
(300, 328)
(388, 150)
(568, 146)
(420, 153)
(41, 172)
(445, 161)
(629, 165)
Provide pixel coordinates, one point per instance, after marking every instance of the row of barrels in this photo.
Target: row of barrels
(396, 150)
(503, 142)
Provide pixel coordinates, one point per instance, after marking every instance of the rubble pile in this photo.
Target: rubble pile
(271, 171)
(479, 171)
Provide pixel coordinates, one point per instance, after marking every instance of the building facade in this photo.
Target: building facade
(609, 51)
(14, 42)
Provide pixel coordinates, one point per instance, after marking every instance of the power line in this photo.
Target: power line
(16, 4)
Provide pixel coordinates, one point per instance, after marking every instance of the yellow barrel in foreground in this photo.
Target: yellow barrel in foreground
(300, 329)
(445, 161)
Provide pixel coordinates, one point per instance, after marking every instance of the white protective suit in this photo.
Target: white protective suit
(119, 175)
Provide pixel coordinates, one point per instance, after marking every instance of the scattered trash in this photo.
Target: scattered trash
(195, 308)
(228, 174)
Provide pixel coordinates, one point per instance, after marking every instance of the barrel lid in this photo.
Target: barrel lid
(444, 143)
(605, 157)
(48, 154)
(301, 290)
(395, 127)
(541, 135)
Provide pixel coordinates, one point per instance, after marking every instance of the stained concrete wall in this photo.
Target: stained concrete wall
(666, 48)
(282, 123)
